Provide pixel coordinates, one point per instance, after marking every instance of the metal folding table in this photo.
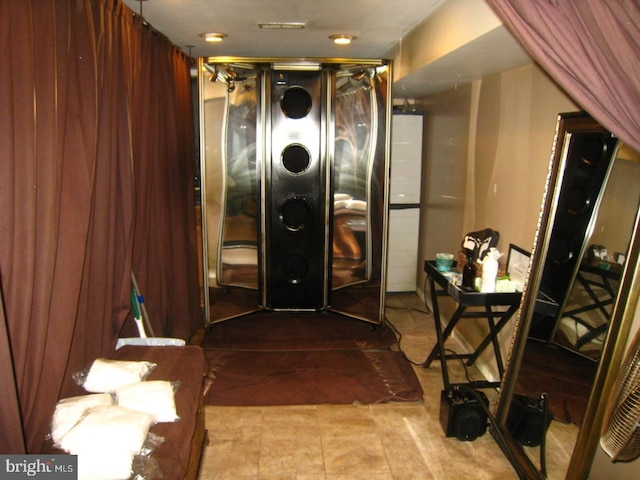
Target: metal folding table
(470, 304)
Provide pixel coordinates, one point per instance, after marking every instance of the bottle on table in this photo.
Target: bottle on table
(469, 272)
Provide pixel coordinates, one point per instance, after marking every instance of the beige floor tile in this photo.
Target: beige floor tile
(393, 441)
(228, 422)
(357, 455)
(231, 459)
(290, 455)
(296, 416)
(360, 476)
(346, 421)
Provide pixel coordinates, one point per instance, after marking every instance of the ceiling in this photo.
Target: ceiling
(378, 25)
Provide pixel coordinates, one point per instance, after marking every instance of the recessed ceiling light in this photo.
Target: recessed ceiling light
(214, 37)
(342, 39)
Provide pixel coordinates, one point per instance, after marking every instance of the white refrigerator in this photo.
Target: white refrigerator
(404, 202)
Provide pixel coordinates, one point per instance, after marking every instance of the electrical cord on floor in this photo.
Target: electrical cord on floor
(397, 332)
(398, 336)
(424, 294)
(464, 365)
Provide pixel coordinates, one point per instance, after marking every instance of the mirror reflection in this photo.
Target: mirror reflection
(571, 291)
(359, 177)
(229, 98)
(354, 147)
(238, 248)
(582, 326)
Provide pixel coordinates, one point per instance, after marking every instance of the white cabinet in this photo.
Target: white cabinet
(404, 206)
(406, 159)
(403, 250)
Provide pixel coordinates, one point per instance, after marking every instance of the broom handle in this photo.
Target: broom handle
(143, 309)
(136, 314)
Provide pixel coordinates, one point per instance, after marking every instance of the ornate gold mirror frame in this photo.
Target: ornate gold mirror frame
(622, 316)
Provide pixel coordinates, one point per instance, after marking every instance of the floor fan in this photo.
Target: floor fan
(620, 437)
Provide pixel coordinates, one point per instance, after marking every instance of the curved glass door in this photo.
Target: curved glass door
(238, 245)
(230, 189)
(360, 190)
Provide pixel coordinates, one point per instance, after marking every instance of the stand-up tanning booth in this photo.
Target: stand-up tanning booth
(294, 166)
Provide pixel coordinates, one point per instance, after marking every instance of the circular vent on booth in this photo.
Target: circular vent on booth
(577, 200)
(295, 267)
(295, 214)
(560, 250)
(296, 158)
(296, 102)
(591, 149)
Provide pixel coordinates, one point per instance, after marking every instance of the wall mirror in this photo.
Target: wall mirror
(294, 192)
(574, 317)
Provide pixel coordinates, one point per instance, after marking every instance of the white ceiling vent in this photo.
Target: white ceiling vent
(282, 25)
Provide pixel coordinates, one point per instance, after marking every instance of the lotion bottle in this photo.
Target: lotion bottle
(490, 271)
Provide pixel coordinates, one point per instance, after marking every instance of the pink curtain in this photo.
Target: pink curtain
(86, 163)
(591, 48)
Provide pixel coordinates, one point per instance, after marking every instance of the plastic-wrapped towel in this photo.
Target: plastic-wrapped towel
(70, 410)
(105, 440)
(109, 375)
(155, 397)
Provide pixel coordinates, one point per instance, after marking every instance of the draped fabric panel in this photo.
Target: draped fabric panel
(85, 163)
(164, 260)
(591, 48)
(13, 442)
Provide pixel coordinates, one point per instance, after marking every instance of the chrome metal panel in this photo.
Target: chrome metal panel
(360, 179)
(230, 165)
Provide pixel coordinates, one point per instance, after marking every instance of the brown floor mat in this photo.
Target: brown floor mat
(305, 359)
(310, 378)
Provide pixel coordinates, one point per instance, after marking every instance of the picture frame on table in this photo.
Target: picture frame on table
(518, 261)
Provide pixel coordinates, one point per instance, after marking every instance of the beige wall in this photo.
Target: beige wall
(486, 153)
(453, 25)
(445, 150)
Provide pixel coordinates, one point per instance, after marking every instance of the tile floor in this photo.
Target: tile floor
(400, 441)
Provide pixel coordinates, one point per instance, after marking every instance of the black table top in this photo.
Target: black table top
(468, 297)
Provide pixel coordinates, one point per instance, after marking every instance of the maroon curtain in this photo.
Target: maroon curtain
(165, 259)
(591, 48)
(13, 441)
(84, 162)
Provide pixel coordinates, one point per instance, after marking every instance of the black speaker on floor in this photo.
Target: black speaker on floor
(528, 420)
(296, 194)
(463, 413)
